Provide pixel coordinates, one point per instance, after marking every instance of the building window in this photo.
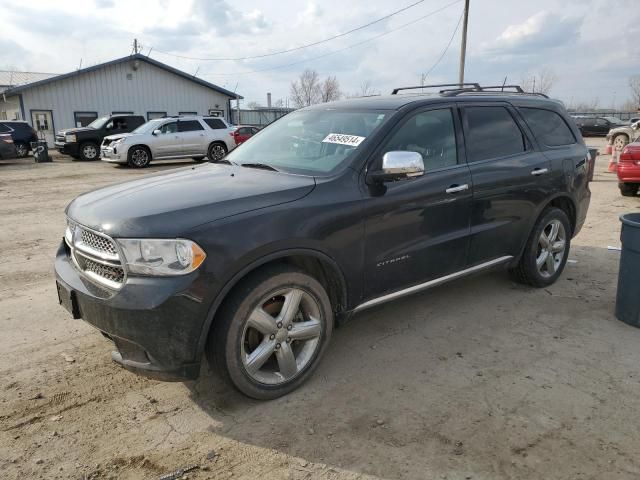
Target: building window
(187, 113)
(152, 115)
(82, 119)
(121, 113)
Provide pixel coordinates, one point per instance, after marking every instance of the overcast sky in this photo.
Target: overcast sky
(590, 45)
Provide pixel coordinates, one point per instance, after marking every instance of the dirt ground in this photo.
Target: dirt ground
(478, 379)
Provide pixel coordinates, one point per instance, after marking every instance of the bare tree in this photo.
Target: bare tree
(541, 82)
(634, 85)
(305, 90)
(253, 105)
(330, 90)
(366, 90)
(279, 103)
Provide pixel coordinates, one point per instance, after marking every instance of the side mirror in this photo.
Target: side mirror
(156, 132)
(398, 165)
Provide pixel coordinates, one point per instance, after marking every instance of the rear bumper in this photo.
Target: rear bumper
(628, 173)
(155, 323)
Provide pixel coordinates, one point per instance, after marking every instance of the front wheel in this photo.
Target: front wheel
(271, 333)
(139, 157)
(89, 151)
(216, 151)
(22, 149)
(620, 141)
(546, 251)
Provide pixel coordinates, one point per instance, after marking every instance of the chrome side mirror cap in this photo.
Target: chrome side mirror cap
(397, 165)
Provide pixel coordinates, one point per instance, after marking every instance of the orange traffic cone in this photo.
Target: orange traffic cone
(609, 149)
(613, 163)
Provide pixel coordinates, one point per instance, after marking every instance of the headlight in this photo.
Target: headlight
(118, 140)
(161, 257)
(70, 138)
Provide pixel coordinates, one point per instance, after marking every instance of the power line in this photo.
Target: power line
(313, 44)
(444, 52)
(340, 50)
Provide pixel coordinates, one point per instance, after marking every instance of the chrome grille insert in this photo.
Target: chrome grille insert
(96, 256)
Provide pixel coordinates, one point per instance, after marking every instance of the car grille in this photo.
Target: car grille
(96, 256)
(60, 138)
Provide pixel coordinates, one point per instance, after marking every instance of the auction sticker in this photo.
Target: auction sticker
(342, 139)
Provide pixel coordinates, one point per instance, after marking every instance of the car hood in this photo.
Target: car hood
(118, 136)
(169, 205)
(76, 130)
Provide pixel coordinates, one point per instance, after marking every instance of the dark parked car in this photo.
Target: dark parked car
(597, 126)
(330, 210)
(84, 142)
(7, 147)
(22, 134)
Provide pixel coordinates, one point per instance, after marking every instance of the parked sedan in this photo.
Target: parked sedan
(168, 139)
(7, 147)
(629, 170)
(597, 126)
(22, 134)
(244, 132)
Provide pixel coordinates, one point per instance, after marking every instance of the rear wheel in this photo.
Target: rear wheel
(139, 157)
(22, 149)
(546, 251)
(628, 189)
(89, 151)
(270, 334)
(216, 151)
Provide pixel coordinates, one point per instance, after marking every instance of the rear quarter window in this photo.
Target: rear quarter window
(215, 123)
(548, 127)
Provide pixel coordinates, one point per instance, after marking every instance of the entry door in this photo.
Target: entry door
(418, 228)
(42, 122)
(194, 141)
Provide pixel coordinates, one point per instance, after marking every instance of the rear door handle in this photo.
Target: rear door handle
(457, 188)
(539, 171)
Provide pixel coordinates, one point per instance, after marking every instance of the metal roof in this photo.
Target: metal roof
(140, 57)
(10, 78)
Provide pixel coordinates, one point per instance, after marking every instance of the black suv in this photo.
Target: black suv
(22, 134)
(328, 211)
(597, 126)
(84, 142)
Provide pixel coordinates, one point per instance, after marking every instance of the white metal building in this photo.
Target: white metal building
(136, 85)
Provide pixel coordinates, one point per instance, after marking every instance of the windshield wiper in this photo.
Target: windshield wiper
(263, 166)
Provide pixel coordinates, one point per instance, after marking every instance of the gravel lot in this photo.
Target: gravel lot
(479, 379)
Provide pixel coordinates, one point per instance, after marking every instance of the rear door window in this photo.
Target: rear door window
(215, 123)
(189, 125)
(548, 127)
(492, 133)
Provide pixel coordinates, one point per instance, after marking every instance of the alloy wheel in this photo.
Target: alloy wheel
(140, 157)
(21, 150)
(217, 152)
(281, 336)
(552, 246)
(89, 152)
(619, 142)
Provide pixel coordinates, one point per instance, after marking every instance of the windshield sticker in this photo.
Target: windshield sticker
(342, 139)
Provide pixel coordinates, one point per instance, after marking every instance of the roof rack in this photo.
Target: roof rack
(462, 88)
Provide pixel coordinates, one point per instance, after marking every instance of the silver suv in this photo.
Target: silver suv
(170, 138)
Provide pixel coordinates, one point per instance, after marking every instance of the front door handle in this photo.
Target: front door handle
(539, 171)
(457, 188)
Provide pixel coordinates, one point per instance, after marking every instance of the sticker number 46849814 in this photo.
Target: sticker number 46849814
(342, 139)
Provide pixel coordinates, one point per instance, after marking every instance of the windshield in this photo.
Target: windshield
(149, 127)
(98, 122)
(310, 142)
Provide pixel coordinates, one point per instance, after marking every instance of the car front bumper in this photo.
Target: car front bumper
(154, 322)
(67, 148)
(114, 154)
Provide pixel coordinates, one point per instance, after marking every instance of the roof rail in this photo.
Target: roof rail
(463, 88)
(459, 85)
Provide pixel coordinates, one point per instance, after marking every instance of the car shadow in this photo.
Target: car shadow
(417, 381)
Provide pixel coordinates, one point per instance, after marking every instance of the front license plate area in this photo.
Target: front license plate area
(67, 298)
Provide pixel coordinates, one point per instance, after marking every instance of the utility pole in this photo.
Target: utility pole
(135, 46)
(463, 46)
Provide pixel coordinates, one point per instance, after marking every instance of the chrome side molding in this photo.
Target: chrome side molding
(431, 283)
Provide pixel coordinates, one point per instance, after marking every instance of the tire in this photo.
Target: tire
(619, 142)
(22, 149)
(529, 271)
(89, 151)
(139, 157)
(254, 359)
(628, 189)
(216, 151)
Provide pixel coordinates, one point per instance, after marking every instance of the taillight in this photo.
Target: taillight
(630, 153)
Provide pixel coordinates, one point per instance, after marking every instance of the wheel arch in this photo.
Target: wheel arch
(318, 264)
